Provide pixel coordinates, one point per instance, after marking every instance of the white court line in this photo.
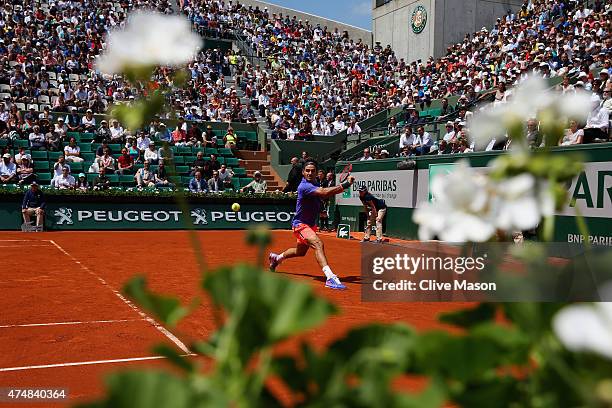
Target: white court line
(82, 363)
(8, 326)
(25, 246)
(142, 314)
(23, 240)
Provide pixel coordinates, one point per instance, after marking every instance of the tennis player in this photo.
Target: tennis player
(304, 226)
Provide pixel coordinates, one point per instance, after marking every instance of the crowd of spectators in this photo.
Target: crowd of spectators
(317, 81)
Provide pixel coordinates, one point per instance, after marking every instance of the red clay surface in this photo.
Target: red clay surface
(42, 285)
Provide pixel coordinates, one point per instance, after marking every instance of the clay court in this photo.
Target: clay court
(66, 324)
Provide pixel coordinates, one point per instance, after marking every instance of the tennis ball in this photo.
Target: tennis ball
(235, 207)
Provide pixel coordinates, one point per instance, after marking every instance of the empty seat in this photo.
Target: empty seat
(39, 155)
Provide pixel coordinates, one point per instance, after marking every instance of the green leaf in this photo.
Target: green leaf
(262, 308)
(469, 317)
(147, 389)
(174, 357)
(167, 309)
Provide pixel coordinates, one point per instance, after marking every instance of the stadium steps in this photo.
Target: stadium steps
(260, 161)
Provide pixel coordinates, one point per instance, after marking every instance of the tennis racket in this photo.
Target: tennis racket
(346, 172)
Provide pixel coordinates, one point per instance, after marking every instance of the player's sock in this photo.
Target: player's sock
(328, 272)
(279, 258)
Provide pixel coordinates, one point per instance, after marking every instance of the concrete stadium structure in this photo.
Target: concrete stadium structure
(418, 29)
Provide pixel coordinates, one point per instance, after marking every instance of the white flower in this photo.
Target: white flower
(468, 206)
(520, 203)
(586, 327)
(459, 211)
(149, 39)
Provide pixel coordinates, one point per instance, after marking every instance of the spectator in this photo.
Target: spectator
(101, 182)
(214, 163)
(225, 175)
(258, 185)
(198, 164)
(103, 134)
(295, 176)
(88, 122)
(72, 152)
(33, 204)
(145, 177)
(117, 134)
(423, 142)
(150, 154)
(179, 135)
(38, 141)
(384, 154)
(8, 170)
(215, 185)
(198, 184)
(597, 122)
(125, 163)
(407, 141)
(104, 146)
(142, 142)
(81, 183)
(353, 128)
(163, 134)
(73, 121)
(366, 155)
(230, 139)
(65, 181)
(534, 137)
(21, 155)
(134, 151)
(107, 162)
(162, 176)
(60, 128)
(25, 171)
(573, 135)
(450, 131)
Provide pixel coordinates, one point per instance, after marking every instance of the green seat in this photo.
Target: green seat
(184, 150)
(244, 181)
(44, 177)
(189, 159)
(76, 135)
(225, 152)
(210, 150)
(232, 162)
(115, 147)
(87, 137)
(85, 147)
(114, 179)
(53, 156)
(435, 112)
(221, 160)
(185, 180)
(88, 156)
(240, 171)
(75, 167)
(21, 143)
(127, 180)
(41, 165)
(182, 169)
(91, 177)
(38, 155)
(220, 142)
(236, 183)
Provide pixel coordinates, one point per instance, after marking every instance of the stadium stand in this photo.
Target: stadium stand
(292, 82)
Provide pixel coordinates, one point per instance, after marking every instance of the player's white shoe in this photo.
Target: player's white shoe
(273, 262)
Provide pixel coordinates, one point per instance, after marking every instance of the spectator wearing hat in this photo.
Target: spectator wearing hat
(258, 185)
(384, 154)
(65, 181)
(450, 131)
(103, 134)
(597, 122)
(72, 152)
(25, 171)
(144, 176)
(88, 122)
(73, 121)
(81, 183)
(163, 134)
(33, 204)
(8, 170)
(37, 139)
(375, 209)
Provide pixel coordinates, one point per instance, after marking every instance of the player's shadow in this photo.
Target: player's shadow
(321, 278)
